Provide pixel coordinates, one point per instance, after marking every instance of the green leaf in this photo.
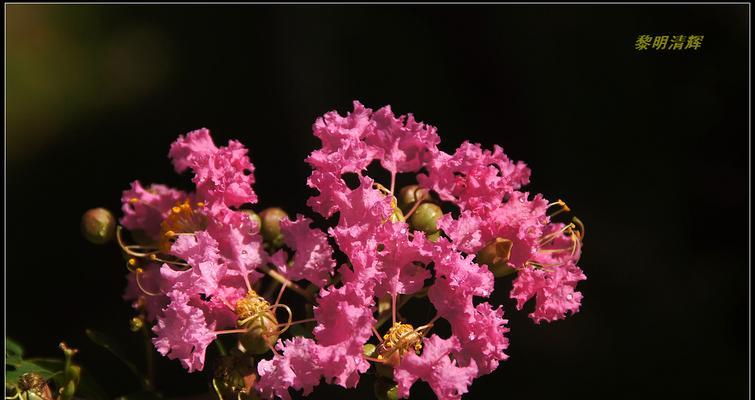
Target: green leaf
(112, 346)
(13, 351)
(26, 366)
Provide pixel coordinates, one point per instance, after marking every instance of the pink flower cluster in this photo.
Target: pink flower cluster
(387, 258)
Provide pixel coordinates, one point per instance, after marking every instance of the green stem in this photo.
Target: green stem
(284, 281)
(220, 347)
(150, 360)
(387, 315)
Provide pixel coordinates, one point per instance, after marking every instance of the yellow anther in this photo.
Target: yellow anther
(133, 200)
(200, 204)
(399, 339)
(181, 220)
(132, 262)
(251, 305)
(153, 257)
(139, 271)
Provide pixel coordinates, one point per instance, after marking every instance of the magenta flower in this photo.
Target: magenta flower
(313, 260)
(447, 379)
(200, 258)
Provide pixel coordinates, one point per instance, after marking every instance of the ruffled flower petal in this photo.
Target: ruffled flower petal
(145, 209)
(553, 282)
(313, 260)
(434, 366)
(151, 281)
(221, 174)
(296, 367)
(402, 144)
(473, 177)
(183, 333)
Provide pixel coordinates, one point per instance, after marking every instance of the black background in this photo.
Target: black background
(650, 149)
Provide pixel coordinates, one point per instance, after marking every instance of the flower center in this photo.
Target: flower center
(250, 306)
(181, 220)
(399, 339)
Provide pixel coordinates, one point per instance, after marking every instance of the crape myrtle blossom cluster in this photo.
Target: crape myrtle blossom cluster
(201, 258)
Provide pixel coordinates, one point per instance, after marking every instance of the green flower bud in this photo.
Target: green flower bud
(410, 195)
(425, 217)
(270, 225)
(33, 387)
(396, 215)
(98, 225)
(262, 333)
(254, 217)
(369, 349)
(496, 256)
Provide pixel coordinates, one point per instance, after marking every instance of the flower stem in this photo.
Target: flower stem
(149, 357)
(387, 315)
(221, 348)
(282, 279)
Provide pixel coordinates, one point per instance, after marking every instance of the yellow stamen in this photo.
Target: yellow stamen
(140, 271)
(399, 339)
(580, 226)
(181, 220)
(561, 204)
(549, 237)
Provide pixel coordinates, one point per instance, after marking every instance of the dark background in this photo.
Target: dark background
(650, 149)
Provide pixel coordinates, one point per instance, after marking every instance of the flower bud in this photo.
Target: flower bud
(254, 217)
(496, 256)
(410, 195)
(425, 217)
(369, 349)
(262, 333)
(270, 225)
(396, 215)
(33, 387)
(98, 225)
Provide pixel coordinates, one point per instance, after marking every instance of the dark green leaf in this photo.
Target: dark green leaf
(12, 374)
(13, 351)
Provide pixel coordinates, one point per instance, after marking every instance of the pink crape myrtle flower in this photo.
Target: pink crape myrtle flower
(553, 284)
(392, 245)
(472, 177)
(447, 379)
(388, 258)
(313, 260)
(183, 332)
(212, 249)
